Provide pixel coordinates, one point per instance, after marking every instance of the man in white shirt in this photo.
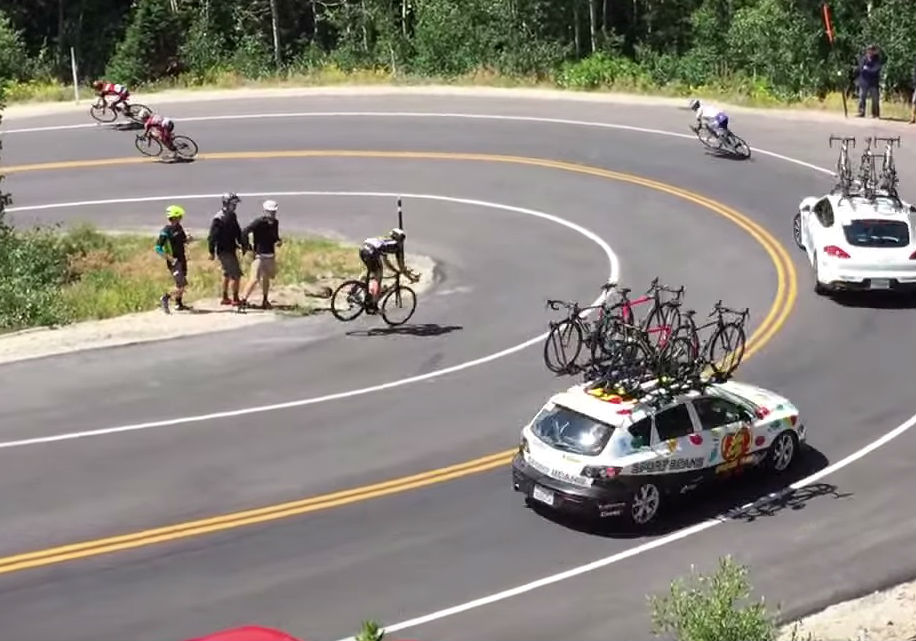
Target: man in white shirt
(714, 117)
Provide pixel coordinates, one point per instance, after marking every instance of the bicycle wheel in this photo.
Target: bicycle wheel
(661, 323)
(677, 360)
(637, 366)
(738, 146)
(726, 349)
(137, 112)
(709, 138)
(185, 147)
(148, 146)
(349, 300)
(562, 347)
(103, 113)
(398, 305)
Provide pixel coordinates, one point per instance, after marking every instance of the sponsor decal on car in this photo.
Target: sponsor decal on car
(560, 475)
(667, 465)
(736, 445)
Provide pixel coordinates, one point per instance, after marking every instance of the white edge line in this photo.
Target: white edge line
(645, 547)
(613, 275)
(424, 114)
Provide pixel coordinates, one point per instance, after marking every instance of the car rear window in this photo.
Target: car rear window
(571, 431)
(877, 233)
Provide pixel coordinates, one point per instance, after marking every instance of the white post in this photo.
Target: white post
(76, 90)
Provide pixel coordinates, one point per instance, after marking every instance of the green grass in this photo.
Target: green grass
(123, 274)
(331, 75)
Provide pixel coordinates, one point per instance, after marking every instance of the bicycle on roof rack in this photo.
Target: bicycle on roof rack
(720, 354)
(566, 337)
(868, 174)
(845, 181)
(889, 179)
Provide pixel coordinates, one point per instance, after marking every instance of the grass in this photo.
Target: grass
(123, 274)
(332, 75)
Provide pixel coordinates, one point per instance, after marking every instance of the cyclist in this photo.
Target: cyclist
(171, 246)
(111, 89)
(373, 252)
(710, 115)
(161, 128)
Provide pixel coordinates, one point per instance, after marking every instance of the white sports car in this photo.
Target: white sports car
(596, 454)
(858, 243)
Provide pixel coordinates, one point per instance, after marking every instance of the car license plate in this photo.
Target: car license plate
(880, 283)
(542, 495)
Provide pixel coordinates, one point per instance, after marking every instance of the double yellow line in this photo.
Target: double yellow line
(781, 307)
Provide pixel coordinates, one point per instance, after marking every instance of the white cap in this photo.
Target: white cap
(271, 205)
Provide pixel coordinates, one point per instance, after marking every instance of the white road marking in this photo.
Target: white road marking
(425, 114)
(614, 274)
(645, 547)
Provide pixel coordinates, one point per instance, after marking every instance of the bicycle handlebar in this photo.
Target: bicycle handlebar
(889, 140)
(845, 139)
(719, 308)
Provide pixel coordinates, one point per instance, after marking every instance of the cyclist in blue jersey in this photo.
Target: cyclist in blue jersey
(710, 115)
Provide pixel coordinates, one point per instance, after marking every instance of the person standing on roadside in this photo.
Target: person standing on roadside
(224, 241)
(171, 246)
(266, 236)
(868, 79)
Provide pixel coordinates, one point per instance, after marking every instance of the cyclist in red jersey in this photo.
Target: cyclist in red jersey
(161, 128)
(105, 89)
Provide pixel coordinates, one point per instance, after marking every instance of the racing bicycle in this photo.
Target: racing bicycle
(845, 181)
(103, 112)
(397, 303)
(729, 142)
(889, 179)
(566, 337)
(185, 147)
(868, 175)
(685, 358)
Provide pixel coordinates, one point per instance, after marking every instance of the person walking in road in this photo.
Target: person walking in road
(266, 236)
(868, 80)
(224, 241)
(171, 246)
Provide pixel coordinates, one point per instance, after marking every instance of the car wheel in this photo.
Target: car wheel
(782, 452)
(796, 231)
(644, 504)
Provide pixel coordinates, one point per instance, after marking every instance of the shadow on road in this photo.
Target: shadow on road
(746, 497)
(876, 300)
(426, 329)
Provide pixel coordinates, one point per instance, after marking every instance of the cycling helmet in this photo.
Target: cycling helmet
(694, 104)
(231, 198)
(397, 233)
(271, 206)
(174, 211)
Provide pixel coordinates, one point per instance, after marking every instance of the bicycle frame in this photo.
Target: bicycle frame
(651, 295)
(843, 172)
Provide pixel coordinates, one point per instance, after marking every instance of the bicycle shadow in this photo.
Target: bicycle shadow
(747, 497)
(425, 329)
(875, 300)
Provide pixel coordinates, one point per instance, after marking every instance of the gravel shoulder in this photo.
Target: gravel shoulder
(886, 615)
(206, 316)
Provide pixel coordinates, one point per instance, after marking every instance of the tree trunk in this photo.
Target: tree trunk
(404, 18)
(575, 4)
(275, 26)
(365, 22)
(592, 19)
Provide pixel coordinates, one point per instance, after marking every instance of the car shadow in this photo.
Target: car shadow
(749, 496)
(875, 300)
(425, 329)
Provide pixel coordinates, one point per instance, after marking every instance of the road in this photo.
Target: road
(424, 545)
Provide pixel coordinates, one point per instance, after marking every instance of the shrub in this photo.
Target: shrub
(708, 609)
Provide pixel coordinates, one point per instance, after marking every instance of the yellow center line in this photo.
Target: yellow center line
(781, 306)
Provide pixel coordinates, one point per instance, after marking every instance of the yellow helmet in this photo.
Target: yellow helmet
(174, 211)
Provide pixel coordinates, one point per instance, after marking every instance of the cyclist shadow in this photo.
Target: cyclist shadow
(728, 155)
(750, 496)
(875, 300)
(425, 329)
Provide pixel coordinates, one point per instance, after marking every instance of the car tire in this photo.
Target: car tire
(783, 452)
(796, 231)
(644, 505)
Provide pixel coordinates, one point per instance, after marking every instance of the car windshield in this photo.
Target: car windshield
(877, 233)
(570, 431)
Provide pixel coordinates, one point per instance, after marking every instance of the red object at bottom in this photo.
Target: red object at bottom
(247, 633)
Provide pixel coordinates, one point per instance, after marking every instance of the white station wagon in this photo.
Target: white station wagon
(600, 455)
(858, 243)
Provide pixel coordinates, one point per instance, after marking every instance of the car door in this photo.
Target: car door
(726, 431)
(673, 428)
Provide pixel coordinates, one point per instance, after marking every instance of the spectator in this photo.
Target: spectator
(223, 242)
(171, 246)
(266, 233)
(868, 79)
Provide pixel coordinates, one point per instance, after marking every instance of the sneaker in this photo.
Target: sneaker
(181, 307)
(226, 301)
(164, 301)
(266, 305)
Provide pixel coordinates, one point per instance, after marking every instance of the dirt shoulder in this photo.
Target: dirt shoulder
(887, 615)
(174, 96)
(206, 316)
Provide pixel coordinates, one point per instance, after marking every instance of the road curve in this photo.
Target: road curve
(463, 534)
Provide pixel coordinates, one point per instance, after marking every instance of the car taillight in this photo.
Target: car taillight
(600, 471)
(794, 420)
(762, 412)
(913, 256)
(836, 252)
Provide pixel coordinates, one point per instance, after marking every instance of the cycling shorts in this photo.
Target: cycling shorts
(372, 259)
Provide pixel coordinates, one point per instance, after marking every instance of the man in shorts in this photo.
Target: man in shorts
(224, 241)
(171, 246)
(373, 252)
(266, 236)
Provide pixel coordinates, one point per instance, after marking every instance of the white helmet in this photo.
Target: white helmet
(397, 233)
(694, 104)
(271, 206)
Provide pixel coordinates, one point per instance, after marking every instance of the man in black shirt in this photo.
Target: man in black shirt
(224, 241)
(266, 233)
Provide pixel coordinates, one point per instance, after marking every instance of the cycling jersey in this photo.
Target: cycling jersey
(171, 242)
(713, 114)
(382, 246)
(112, 89)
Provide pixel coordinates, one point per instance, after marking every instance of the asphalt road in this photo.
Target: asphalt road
(847, 366)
